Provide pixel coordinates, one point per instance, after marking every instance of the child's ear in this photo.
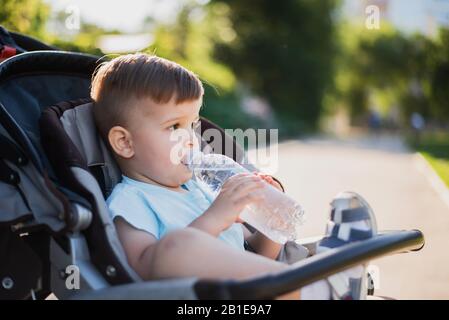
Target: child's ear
(121, 142)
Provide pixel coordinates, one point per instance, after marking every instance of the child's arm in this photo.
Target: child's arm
(182, 253)
(138, 246)
(261, 244)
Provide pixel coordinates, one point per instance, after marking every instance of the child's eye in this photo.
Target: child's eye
(174, 127)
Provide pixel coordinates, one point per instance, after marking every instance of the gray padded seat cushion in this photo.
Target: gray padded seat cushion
(80, 126)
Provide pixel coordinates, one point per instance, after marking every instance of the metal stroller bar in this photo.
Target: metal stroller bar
(271, 285)
(314, 268)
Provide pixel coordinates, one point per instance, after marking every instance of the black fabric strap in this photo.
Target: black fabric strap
(8, 175)
(98, 172)
(11, 152)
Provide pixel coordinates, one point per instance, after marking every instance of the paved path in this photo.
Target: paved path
(388, 176)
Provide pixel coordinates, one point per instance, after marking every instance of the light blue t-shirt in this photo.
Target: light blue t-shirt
(158, 210)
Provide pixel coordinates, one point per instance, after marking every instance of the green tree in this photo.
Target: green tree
(25, 16)
(189, 41)
(284, 51)
(386, 68)
(439, 82)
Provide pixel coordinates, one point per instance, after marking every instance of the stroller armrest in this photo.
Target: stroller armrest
(311, 269)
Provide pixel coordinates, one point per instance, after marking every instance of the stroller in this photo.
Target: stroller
(55, 173)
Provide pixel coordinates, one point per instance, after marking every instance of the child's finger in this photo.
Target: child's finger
(272, 182)
(258, 174)
(277, 185)
(268, 179)
(239, 220)
(236, 179)
(246, 187)
(264, 176)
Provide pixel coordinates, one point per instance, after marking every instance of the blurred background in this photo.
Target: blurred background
(358, 89)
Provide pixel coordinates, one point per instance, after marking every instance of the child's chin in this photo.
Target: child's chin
(186, 177)
(189, 176)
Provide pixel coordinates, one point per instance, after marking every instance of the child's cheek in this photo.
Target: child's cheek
(172, 146)
(174, 153)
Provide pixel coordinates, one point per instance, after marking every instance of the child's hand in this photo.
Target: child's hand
(236, 193)
(270, 180)
(262, 244)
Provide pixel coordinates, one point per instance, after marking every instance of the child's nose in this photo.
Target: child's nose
(192, 142)
(191, 138)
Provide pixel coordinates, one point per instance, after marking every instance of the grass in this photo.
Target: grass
(435, 149)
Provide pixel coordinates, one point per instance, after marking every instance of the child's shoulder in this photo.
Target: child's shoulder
(123, 192)
(128, 202)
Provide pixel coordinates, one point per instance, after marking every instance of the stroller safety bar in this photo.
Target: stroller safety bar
(312, 269)
(271, 285)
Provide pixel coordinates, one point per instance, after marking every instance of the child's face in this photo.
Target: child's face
(160, 136)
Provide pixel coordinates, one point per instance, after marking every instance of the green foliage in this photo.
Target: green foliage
(283, 50)
(293, 53)
(25, 16)
(30, 17)
(434, 143)
(224, 109)
(387, 68)
(439, 80)
(441, 166)
(434, 146)
(77, 46)
(84, 41)
(189, 43)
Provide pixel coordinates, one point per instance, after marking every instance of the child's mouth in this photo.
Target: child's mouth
(185, 162)
(191, 158)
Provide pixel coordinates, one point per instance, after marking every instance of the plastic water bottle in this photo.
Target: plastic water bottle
(277, 216)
